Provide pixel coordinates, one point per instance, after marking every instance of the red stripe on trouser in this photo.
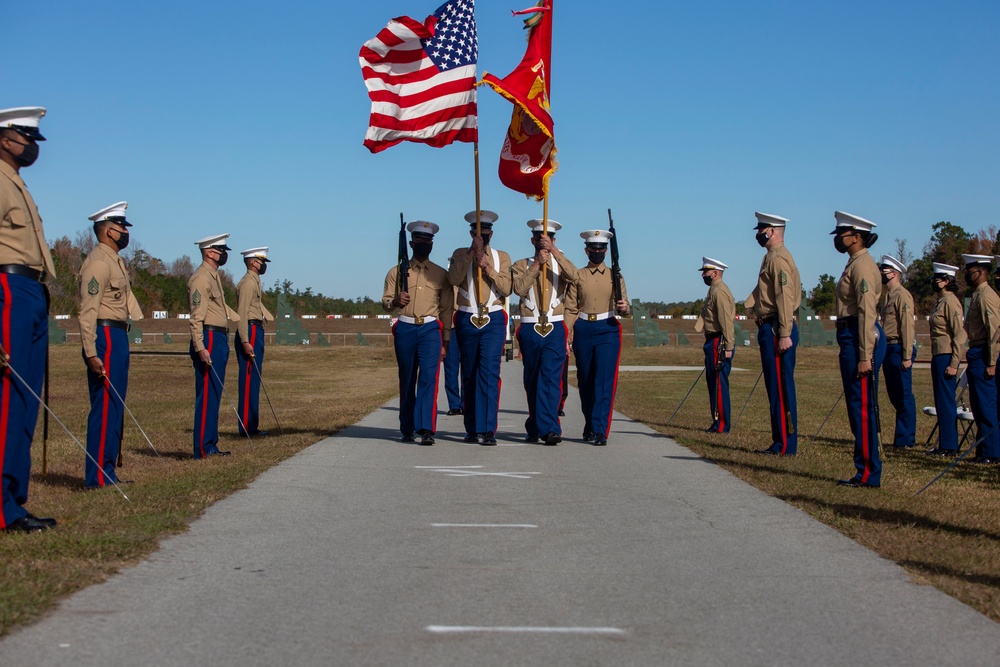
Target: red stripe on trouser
(614, 385)
(437, 378)
(104, 410)
(204, 399)
(246, 384)
(718, 390)
(7, 379)
(781, 397)
(865, 445)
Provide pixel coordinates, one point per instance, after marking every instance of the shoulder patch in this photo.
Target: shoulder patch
(782, 277)
(93, 287)
(196, 298)
(864, 286)
(906, 307)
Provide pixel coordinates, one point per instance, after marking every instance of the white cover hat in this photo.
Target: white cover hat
(536, 224)
(217, 240)
(769, 220)
(846, 220)
(423, 227)
(115, 212)
(258, 253)
(596, 236)
(23, 120)
(944, 269)
(709, 264)
(892, 263)
(977, 259)
(485, 217)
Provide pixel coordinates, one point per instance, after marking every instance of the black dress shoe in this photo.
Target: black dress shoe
(220, 453)
(407, 437)
(552, 438)
(984, 460)
(768, 452)
(938, 451)
(454, 411)
(260, 434)
(899, 447)
(487, 439)
(856, 483)
(588, 436)
(562, 413)
(26, 525)
(531, 438)
(471, 437)
(600, 441)
(48, 521)
(426, 440)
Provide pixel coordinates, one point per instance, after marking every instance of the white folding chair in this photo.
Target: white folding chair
(963, 413)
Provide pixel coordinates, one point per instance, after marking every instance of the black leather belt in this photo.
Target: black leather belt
(846, 322)
(980, 343)
(212, 327)
(26, 271)
(114, 324)
(709, 335)
(770, 319)
(259, 323)
(892, 341)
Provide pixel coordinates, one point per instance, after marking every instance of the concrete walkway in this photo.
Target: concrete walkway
(365, 551)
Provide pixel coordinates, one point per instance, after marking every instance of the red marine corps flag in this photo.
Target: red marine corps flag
(528, 157)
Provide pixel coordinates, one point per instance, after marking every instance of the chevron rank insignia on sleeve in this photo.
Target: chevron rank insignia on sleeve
(196, 298)
(93, 287)
(782, 278)
(864, 286)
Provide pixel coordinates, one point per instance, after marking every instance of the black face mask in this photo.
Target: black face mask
(885, 279)
(839, 244)
(595, 257)
(223, 258)
(27, 156)
(122, 240)
(263, 269)
(936, 287)
(707, 280)
(422, 249)
(761, 238)
(486, 239)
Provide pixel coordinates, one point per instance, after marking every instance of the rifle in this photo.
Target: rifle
(403, 279)
(616, 273)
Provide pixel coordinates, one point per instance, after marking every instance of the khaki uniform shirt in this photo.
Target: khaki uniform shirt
(779, 289)
(858, 292)
(947, 328)
(897, 319)
(22, 240)
(249, 305)
(983, 319)
(431, 295)
(593, 293)
(719, 313)
(528, 285)
(498, 280)
(105, 294)
(208, 303)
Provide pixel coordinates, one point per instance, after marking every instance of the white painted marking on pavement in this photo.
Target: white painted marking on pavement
(448, 467)
(514, 629)
(484, 525)
(468, 471)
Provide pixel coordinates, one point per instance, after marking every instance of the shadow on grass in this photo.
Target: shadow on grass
(940, 570)
(58, 480)
(888, 517)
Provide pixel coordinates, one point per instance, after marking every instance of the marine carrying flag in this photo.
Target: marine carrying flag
(528, 157)
(421, 79)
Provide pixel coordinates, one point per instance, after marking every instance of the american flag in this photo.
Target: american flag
(421, 79)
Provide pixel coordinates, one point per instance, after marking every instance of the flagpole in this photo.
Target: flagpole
(543, 305)
(479, 232)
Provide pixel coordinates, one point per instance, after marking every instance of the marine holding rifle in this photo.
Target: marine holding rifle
(718, 315)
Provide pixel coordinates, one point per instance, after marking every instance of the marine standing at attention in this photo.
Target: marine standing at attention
(947, 346)
(596, 336)
(481, 325)
(542, 334)
(718, 315)
(25, 264)
(421, 332)
(106, 305)
(982, 324)
(210, 317)
(249, 342)
(862, 344)
(777, 297)
(900, 351)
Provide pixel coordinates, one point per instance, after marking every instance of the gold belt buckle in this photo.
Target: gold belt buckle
(418, 320)
(591, 317)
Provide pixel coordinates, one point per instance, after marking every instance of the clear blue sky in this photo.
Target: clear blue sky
(684, 118)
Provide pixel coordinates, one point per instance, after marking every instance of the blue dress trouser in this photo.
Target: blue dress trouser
(718, 384)
(945, 403)
(481, 352)
(452, 381)
(249, 379)
(208, 392)
(779, 380)
(24, 333)
(544, 358)
(983, 401)
(597, 348)
(861, 398)
(899, 386)
(418, 356)
(104, 424)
